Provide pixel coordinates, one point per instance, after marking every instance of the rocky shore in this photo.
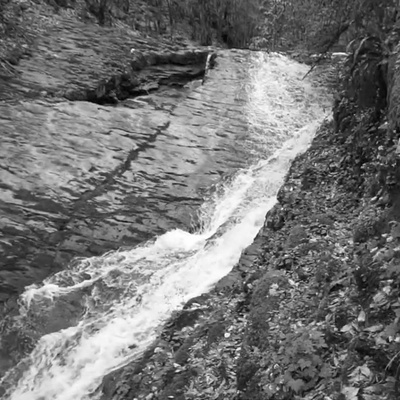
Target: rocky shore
(311, 310)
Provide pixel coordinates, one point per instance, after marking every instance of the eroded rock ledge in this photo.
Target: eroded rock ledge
(145, 73)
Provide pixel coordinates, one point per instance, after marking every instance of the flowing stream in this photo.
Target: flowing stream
(101, 312)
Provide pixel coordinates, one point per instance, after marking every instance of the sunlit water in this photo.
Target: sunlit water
(120, 299)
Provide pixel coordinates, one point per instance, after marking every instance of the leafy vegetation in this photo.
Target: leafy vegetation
(328, 326)
(318, 25)
(231, 21)
(275, 24)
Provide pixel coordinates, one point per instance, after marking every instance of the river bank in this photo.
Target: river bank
(311, 310)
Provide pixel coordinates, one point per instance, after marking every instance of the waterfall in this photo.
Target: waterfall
(111, 306)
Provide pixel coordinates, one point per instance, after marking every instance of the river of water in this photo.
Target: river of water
(199, 189)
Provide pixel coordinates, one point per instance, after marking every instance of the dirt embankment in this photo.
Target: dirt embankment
(311, 311)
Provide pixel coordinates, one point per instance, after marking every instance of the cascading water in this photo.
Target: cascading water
(121, 298)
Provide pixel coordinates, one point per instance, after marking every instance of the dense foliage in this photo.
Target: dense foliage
(320, 24)
(271, 24)
(232, 21)
(280, 24)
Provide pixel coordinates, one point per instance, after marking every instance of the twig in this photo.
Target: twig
(5, 65)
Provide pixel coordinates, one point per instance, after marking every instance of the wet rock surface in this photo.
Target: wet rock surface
(79, 178)
(64, 165)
